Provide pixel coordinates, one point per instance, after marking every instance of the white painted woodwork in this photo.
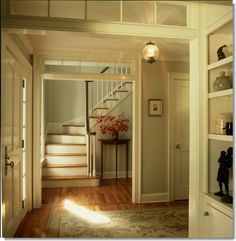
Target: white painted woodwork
(64, 171)
(178, 88)
(66, 138)
(181, 135)
(74, 130)
(86, 182)
(220, 137)
(221, 93)
(220, 63)
(60, 160)
(11, 136)
(217, 219)
(76, 148)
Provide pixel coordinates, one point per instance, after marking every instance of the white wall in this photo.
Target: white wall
(65, 100)
(154, 129)
(125, 107)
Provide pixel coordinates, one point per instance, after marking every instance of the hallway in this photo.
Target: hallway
(111, 195)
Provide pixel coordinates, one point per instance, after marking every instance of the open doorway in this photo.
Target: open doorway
(64, 144)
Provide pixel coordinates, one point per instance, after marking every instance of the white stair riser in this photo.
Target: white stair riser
(66, 139)
(66, 160)
(71, 171)
(71, 183)
(120, 95)
(65, 149)
(99, 112)
(74, 130)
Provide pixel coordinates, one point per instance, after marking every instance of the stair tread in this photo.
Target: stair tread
(66, 154)
(65, 134)
(81, 177)
(128, 82)
(101, 108)
(121, 91)
(111, 99)
(64, 165)
(65, 144)
(73, 125)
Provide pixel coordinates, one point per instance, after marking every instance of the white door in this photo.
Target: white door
(13, 209)
(181, 139)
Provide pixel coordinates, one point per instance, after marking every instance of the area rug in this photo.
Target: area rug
(149, 223)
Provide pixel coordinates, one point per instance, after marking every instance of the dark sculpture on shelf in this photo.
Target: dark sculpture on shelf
(225, 161)
(220, 53)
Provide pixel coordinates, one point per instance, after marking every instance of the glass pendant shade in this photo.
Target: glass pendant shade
(150, 52)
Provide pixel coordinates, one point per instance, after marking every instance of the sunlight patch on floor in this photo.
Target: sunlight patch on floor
(84, 213)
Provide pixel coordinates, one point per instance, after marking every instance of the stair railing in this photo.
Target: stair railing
(90, 136)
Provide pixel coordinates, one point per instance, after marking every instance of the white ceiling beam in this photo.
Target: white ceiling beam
(126, 29)
(87, 76)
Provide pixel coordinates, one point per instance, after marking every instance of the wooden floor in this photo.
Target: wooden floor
(111, 195)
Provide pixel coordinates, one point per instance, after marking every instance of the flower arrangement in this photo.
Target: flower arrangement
(112, 124)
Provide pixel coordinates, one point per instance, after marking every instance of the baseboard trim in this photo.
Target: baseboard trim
(155, 197)
(121, 174)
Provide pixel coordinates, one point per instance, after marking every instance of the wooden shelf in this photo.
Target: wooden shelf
(222, 62)
(217, 199)
(221, 93)
(220, 137)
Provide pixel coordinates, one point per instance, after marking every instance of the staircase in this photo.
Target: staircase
(66, 159)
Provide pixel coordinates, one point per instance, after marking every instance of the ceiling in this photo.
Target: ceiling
(75, 41)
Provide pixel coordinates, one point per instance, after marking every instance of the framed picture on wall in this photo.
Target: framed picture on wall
(155, 107)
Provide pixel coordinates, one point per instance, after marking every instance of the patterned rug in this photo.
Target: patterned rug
(148, 223)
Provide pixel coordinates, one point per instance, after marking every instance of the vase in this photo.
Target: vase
(116, 136)
(222, 82)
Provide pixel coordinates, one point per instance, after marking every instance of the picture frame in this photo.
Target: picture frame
(155, 107)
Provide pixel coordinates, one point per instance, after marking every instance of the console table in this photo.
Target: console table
(116, 143)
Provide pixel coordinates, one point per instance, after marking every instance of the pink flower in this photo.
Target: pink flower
(112, 124)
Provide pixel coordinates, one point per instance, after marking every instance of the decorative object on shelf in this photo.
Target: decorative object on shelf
(155, 107)
(113, 124)
(222, 82)
(150, 52)
(229, 128)
(220, 53)
(225, 160)
(220, 123)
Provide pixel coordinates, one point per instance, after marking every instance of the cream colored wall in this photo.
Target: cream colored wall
(65, 100)
(154, 129)
(125, 107)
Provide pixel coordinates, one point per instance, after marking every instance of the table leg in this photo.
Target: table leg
(116, 161)
(101, 160)
(127, 159)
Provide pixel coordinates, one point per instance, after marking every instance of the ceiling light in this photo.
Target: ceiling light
(150, 52)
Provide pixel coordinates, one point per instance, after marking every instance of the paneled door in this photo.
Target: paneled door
(12, 145)
(181, 139)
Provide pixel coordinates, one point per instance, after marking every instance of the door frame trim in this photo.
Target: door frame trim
(170, 139)
(39, 76)
(8, 43)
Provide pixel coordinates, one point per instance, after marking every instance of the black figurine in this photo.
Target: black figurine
(220, 53)
(223, 174)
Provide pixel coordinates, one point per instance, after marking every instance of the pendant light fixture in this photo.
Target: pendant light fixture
(150, 52)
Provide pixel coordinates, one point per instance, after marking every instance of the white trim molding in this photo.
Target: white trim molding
(155, 197)
(171, 77)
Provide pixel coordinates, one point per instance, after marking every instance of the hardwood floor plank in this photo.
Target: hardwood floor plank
(111, 195)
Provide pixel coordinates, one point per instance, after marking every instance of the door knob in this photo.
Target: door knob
(178, 146)
(206, 213)
(7, 161)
